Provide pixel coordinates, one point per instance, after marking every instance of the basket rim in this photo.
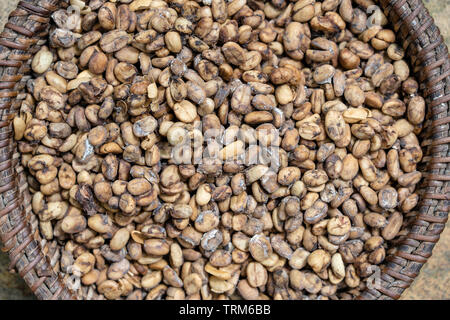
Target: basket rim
(416, 31)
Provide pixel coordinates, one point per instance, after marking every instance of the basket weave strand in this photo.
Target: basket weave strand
(33, 258)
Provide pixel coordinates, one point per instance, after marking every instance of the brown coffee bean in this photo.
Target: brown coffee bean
(113, 41)
(296, 40)
(319, 260)
(316, 212)
(393, 226)
(339, 226)
(375, 220)
(354, 95)
(158, 247)
(288, 175)
(323, 74)
(281, 247)
(257, 117)
(387, 198)
(127, 203)
(220, 258)
(260, 247)
(117, 270)
(185, 111)
(309, 128)
(102, 191)
(334, 125)
(84, 263)
(299, 258)
(138, 186)
(171, 277)
(73, 224)
(192, 283)
(314, 178)
(246, 291)
(416, 110)
(120, 239)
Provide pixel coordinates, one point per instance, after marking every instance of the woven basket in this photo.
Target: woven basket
(33, 258)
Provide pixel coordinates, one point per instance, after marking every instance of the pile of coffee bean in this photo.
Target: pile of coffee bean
(221, 149)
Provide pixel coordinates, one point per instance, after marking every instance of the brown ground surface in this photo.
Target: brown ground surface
(434, 279)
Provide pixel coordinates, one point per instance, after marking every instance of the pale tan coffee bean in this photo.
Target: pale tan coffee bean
(185, 111)
(42, 60)
(120, 239)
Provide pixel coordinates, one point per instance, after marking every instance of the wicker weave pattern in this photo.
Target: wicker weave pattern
(32, 257)
(23, 34)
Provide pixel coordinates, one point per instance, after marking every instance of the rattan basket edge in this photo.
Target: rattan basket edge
(32, 257)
